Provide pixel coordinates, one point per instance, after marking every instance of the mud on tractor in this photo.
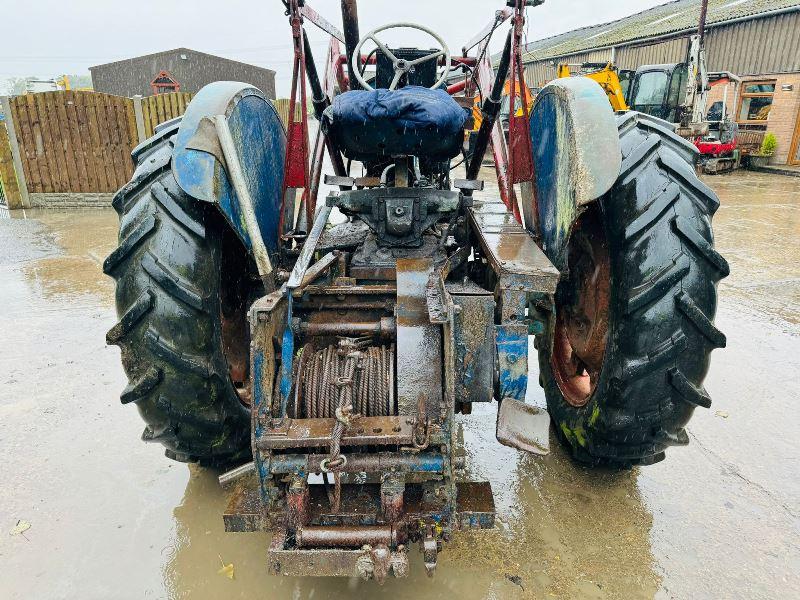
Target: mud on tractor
(322, 348)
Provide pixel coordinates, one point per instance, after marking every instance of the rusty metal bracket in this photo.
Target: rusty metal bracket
(312, 433)
(244, 512)
(511, 251)
(365, 562)
(430, 550)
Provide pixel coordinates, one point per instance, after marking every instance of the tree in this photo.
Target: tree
(16, 85)
(80, 81)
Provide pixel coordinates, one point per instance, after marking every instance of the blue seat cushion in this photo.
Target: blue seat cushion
(368, 125)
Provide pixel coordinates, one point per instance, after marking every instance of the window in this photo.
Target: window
(164, 83)
(651, 89)
(625, 77)
(504, 106)
(649, 93)
(677, 91)
(756, 101)
(715, 112)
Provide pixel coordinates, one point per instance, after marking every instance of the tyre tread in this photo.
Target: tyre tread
(172, 283)
(145, 228)
(169, 330)
(658, 217)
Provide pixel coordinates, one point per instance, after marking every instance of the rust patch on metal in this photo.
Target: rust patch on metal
(582, 301)
(308, 433)
(350, 536)
(244, 511)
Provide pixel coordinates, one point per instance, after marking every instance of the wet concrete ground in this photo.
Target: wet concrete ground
(112, 518)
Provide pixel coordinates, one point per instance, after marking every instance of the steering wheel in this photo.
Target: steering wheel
(401, 66)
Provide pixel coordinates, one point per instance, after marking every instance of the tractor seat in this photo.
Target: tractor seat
(413, 120)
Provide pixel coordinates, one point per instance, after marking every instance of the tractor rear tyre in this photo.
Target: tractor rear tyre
(183, 286)
(624, 361)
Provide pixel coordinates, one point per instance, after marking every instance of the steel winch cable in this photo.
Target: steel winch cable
(344, 381)
(316, 379)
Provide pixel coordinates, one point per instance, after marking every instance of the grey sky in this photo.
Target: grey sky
(47, 38)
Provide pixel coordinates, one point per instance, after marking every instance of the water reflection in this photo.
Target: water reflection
(564, 530)
(84, 238)
(757, 227)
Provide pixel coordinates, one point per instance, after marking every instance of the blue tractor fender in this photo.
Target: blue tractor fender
(260, 138)
(576, 154)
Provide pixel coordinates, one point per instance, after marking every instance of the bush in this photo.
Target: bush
(768, 145)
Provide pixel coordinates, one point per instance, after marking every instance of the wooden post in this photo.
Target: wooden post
(137, 111)
(12, 174)
(8, 179)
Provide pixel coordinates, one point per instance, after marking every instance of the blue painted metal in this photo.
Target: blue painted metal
(424, 462)
(265, 314)
(511, 342)
(287, 357)
(477, 521)
(261, 144)
(539, 312)
(260, 407)
(576, 154)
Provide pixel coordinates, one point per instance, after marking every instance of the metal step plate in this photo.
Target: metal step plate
(523, 427)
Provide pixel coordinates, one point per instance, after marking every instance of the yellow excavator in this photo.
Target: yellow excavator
(505, 106)
(614, 82)
(505, 112)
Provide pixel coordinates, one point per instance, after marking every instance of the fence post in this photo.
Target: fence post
(21, 199)
(139, 115)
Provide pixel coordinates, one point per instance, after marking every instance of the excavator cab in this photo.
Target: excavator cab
(658, 90)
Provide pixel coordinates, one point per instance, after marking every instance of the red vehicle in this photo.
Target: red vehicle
(718, 147)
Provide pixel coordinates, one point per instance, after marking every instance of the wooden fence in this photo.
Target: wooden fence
(282, 106)
(163, 107)
(77, 142)
(74, 141)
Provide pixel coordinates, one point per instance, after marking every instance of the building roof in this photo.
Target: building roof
(182, 51)
(663, 20)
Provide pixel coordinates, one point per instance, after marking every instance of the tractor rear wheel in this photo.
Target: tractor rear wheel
(625, 358)
(183, 286)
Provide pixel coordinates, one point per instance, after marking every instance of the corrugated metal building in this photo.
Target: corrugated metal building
(180, 69)
(759, 40)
